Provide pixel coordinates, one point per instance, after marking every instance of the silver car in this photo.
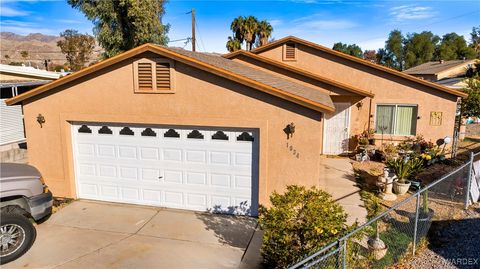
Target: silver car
(23, 196)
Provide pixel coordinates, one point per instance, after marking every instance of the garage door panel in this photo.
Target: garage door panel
(187, 168)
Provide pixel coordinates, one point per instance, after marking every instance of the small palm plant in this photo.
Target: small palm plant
(405, 169)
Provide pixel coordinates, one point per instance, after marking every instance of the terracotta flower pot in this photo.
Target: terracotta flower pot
(401, 188)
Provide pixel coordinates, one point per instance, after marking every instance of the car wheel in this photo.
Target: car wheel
(17, 235)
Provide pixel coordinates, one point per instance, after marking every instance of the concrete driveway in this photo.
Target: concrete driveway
(87, 234)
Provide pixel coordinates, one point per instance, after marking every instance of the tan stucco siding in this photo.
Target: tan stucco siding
(387, 88)
(200, 99)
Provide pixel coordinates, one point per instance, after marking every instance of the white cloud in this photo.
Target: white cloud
(372, 44)
(275, 23)
(12, 12)
(411, 12)
(25, 28)
(317, 22)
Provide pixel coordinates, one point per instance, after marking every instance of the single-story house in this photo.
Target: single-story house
(441, 70)
(15, 80)
(169, 127)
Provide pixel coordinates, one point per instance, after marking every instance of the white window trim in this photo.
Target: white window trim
(153, 62)
(395, 118)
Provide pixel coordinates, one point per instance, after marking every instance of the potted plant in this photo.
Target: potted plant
(404, 169)
(424, 217)
(371, 137)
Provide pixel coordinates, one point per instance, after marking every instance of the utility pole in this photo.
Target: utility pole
(193, 30)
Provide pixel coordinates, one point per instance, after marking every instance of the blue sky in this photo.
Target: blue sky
(366, 23)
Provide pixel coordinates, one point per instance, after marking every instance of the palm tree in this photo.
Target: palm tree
(233, 44)
(264, 31)
(250, 27)
(237, 28)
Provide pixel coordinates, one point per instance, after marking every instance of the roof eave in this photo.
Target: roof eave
(178, 57)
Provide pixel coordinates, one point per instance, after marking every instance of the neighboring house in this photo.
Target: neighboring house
(15, 80)
(169, 127)
(441, 70)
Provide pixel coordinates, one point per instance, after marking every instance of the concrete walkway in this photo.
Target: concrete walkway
(93, 235)
(337, 178)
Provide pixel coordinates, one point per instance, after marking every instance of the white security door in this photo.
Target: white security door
(171, 166)
(336, 130)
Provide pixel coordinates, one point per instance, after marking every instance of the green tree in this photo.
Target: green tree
(264, 31)
(77, 48)
(475, 39)
(419, 48)
(471, 104)
(233, 44)
(370, 55)
(454, 47)
(352, 49)
(250, 27)
(237, 27)
(24, 54)
(394, 56)
(120, 25)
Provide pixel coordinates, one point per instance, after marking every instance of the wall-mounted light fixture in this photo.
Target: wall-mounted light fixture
(40, 120)
(289, 130)
(359, 104)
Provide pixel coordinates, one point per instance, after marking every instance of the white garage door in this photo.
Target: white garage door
(171, 166)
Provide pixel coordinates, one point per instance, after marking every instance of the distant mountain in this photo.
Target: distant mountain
(40, 47)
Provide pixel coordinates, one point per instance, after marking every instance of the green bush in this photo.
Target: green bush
(299, 222)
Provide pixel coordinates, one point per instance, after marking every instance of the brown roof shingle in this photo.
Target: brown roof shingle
(432, 68)
(259, 76)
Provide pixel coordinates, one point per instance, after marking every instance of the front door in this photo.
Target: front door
(336, 130)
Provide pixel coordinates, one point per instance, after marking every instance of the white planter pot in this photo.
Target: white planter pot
(401, 188)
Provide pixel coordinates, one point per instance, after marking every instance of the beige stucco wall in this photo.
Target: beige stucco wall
(200, 99)
(386, 87)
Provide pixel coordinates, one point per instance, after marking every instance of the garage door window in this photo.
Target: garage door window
(219, 135)
(105, 130)
(245, 137)
(171, 133)
(126, 131)
(195, 134)
(149, 132)
(84, 129)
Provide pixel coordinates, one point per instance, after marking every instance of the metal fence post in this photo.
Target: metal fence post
(417, 207)
(469, 180)
(345, 254)
(339, 260)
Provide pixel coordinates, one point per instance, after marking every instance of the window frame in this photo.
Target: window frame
(153, 62)
(284, 52)
(396, 105)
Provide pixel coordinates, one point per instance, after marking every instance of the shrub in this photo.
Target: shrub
(299, 222)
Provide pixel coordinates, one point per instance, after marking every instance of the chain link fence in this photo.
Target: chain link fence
(397, 233)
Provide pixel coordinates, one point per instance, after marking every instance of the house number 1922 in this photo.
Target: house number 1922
(292, 149)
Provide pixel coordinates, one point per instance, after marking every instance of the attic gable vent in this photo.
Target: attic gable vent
(290, 51)
(145, 79)
(153, 75)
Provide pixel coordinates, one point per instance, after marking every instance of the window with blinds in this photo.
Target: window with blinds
(396, 119)
(153, 75)
(290, 52)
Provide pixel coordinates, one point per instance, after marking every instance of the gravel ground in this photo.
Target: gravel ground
(452, 244)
